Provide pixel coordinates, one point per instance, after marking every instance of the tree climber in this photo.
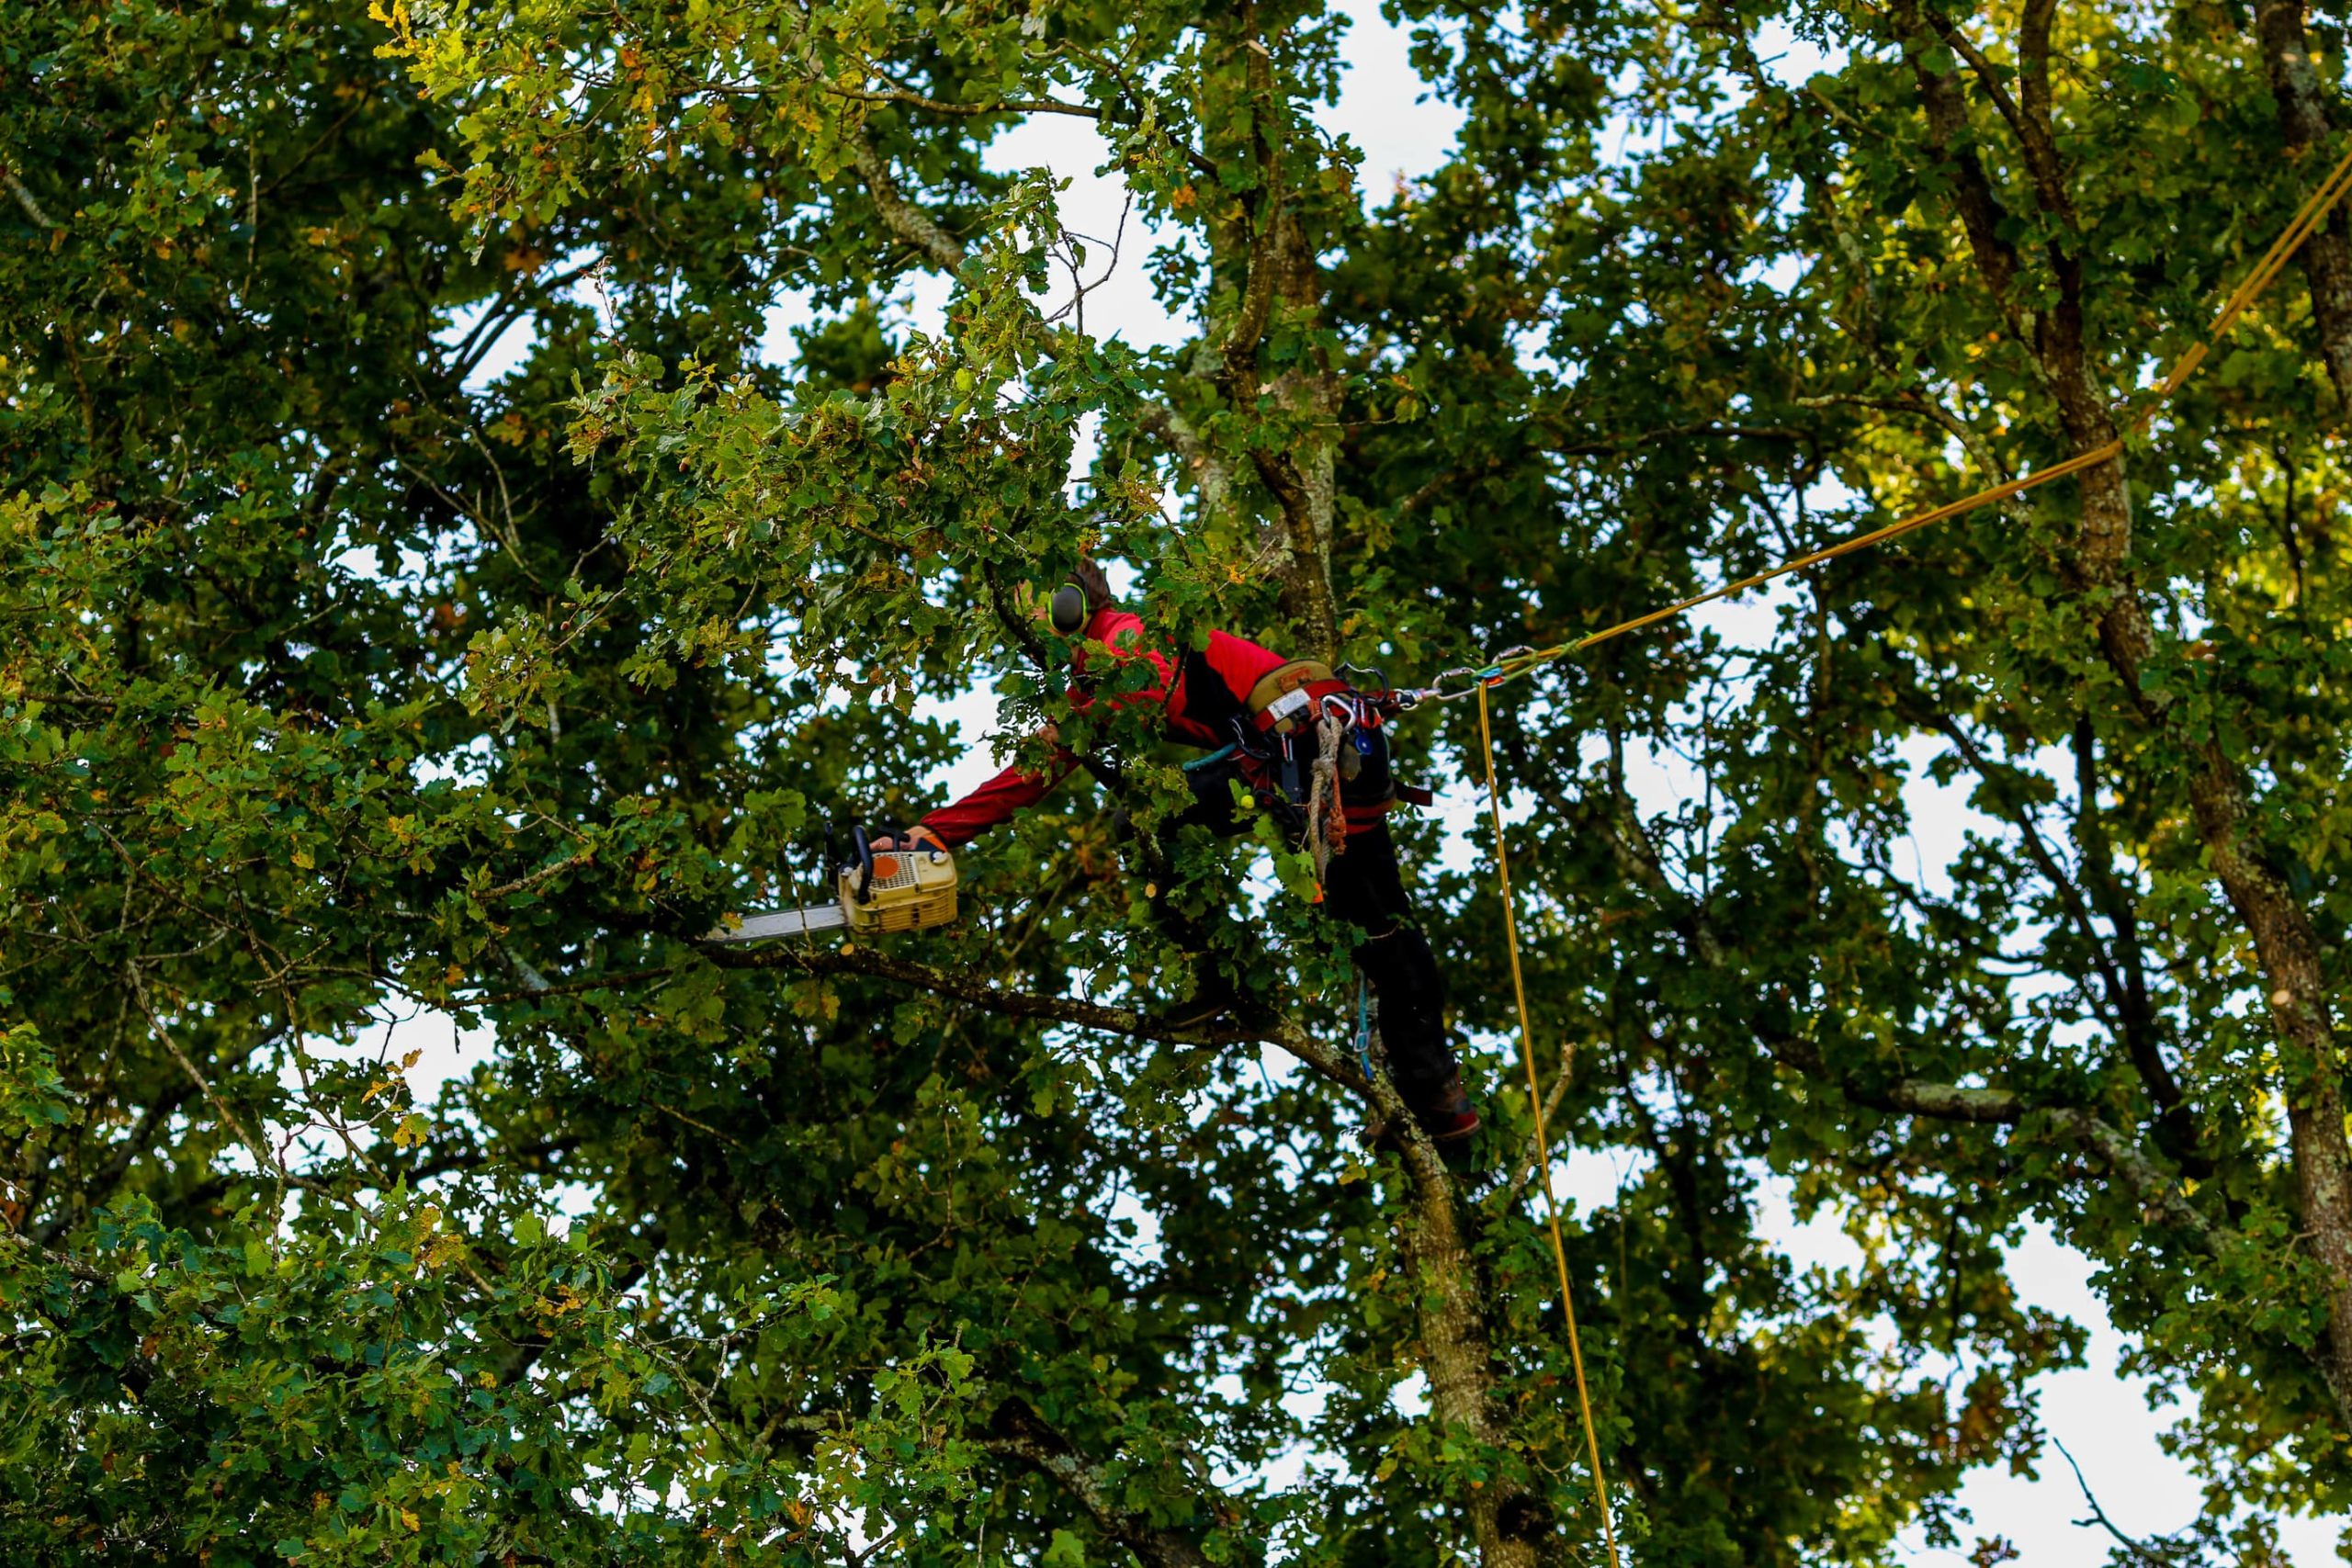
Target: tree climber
(1268, 720)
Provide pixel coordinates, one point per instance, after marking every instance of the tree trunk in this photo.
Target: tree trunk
(1308, 490)
(2285, 945)
(1263, 256)
(2326, 256)
(2288, 951)
(1513, 1527)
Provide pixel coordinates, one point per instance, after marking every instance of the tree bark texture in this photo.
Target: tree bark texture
(1512, 1526)
(1264, 254)
(2326, 257)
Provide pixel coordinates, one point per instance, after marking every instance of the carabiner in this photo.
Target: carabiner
(1445, 677)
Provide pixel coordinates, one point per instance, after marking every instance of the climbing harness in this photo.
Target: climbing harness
(1452, 685)
(1315, 747)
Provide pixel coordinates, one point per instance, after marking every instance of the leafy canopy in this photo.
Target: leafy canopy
(343, 680)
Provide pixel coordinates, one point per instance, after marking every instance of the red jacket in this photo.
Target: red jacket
(1197, 694)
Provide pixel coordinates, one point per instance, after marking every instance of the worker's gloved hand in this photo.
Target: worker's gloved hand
(916, 837)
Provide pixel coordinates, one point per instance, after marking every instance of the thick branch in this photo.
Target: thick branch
(941, 106)
(1704, 428)
(1022, 1436)
(2326, 258)
(1253, 1026)
(2030, 120)
(2159, 1192)
(910, 223)
(962, 987)
(1980, 208)
(27, 200)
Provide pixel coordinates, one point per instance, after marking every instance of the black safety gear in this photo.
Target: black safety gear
(1083, 593)
(1365, 888)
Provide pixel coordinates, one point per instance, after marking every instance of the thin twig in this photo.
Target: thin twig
(261, 1152)
(1551, 1109)
(2099, 1514)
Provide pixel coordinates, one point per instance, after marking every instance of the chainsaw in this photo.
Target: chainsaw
(905, 889)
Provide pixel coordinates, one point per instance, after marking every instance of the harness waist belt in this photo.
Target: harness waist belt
(1284, 699)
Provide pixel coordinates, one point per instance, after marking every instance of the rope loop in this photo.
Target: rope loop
(1327, 821)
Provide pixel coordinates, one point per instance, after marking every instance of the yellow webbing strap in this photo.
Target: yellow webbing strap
(2299, 227)
(1542, 1141)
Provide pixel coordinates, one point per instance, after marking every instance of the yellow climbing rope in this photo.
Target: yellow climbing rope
(2306, 221)
(1543, 1140)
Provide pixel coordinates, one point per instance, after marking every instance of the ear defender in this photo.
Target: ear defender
(1070, 610)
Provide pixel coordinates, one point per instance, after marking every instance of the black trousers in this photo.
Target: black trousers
(1364, 887)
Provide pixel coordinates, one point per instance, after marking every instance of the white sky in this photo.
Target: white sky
(2102, 1416)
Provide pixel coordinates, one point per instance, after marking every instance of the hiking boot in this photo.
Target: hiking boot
(1447, 1115)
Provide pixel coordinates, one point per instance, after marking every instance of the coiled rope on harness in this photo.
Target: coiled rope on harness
(1514, 662)
(1326, 822)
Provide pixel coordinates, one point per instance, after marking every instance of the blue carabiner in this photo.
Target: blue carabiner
(1364, 1024)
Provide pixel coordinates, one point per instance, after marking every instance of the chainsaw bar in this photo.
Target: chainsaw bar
(783, 922)
(903, 889)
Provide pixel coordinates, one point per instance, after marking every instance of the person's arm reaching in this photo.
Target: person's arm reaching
(1122, 631)
(1015, 787)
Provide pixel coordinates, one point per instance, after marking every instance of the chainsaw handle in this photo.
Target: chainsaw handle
(865, 863)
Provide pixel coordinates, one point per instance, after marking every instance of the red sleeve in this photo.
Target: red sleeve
(996, 801)
(1240, 663)
(1010, 790)
(1123, 633)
